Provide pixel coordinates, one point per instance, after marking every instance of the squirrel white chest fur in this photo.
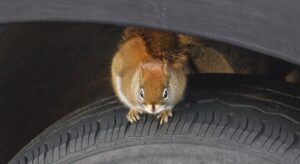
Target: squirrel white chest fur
(147, 73)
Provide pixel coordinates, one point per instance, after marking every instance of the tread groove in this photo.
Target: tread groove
(286, 145)
(180, 124)
(151, 123)
(249, 132)
(209, 124)
(143, 127)
(295, 140)
(195, 118)
(259, 133)
(266, 138)
(236, 128)
(216, 127)
(212, 119)
(96, 131)
(275, 140)
(202, 123)
(175, 124)
(244, 129)
(86, 136)
(113, 128)
(229, 120)
(186, 129)
(127, 128)
(105, 136)
(68, 141)
(281, 140)
(119, 128)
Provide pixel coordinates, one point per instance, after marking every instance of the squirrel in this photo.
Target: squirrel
(148, 72)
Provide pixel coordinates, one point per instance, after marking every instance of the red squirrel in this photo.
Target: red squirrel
(148, 72)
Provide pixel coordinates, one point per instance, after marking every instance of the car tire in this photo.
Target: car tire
(223, 119)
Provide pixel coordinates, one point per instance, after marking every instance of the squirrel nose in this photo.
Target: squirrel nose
(153, 107)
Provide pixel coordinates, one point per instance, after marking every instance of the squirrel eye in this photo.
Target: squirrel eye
(142, 94)
(165, 93)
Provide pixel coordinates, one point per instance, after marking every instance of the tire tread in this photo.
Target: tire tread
(256, 126)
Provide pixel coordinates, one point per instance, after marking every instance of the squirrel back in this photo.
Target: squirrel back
(161, 45)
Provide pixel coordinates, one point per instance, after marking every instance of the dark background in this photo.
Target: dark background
(46, 71)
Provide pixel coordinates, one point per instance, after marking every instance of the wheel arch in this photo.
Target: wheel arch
(268, 26)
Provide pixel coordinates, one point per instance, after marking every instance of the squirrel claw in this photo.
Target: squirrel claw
(164, 116)
(133, 115)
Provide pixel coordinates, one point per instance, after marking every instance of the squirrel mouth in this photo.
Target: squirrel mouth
(153, 108)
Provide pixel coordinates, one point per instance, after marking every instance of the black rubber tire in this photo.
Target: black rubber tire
(223, 119)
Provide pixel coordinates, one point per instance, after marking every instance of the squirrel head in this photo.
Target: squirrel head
(154, 91)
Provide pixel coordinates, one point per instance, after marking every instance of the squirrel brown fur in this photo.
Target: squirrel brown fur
(148, 72)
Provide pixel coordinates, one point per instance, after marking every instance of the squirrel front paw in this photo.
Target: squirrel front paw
(133, 115)
(164, 116)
